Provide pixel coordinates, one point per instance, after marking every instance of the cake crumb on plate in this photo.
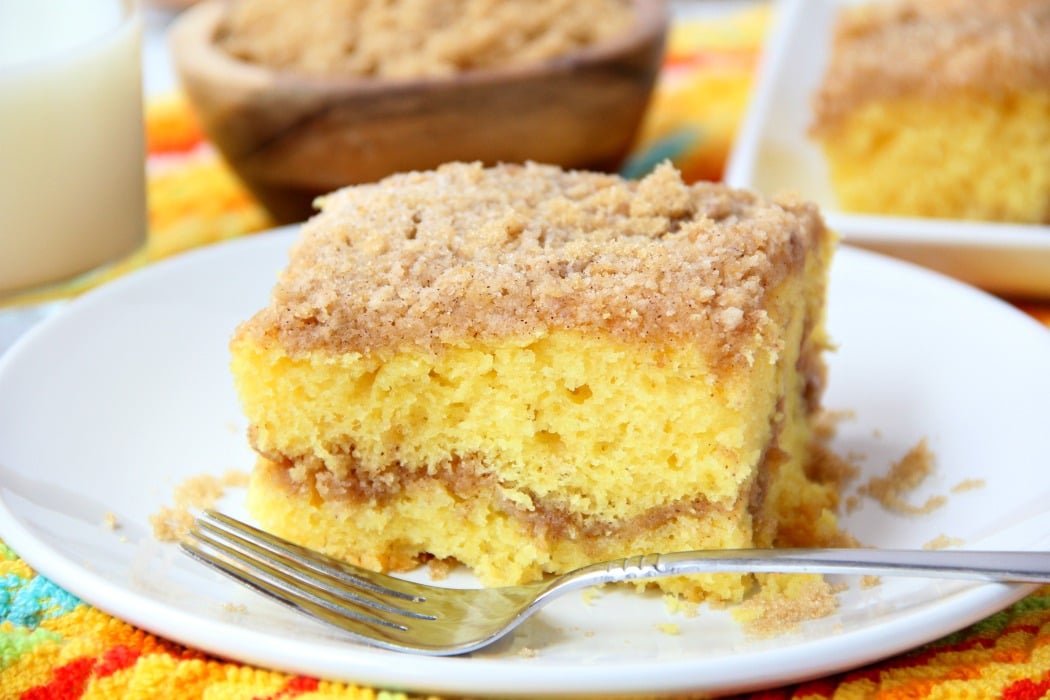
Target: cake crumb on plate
(969, 485)
(942, 541)
(110, 522)
(784, 602)
(905, 476)
(171, 523)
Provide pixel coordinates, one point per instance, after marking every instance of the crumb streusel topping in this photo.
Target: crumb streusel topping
(414, 38)
(467, 253)
(931, 48)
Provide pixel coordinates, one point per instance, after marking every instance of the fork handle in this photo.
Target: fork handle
(1030, 566)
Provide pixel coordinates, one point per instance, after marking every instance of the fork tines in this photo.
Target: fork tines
(359, 601)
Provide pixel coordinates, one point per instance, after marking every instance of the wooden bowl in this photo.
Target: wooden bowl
(291, 137)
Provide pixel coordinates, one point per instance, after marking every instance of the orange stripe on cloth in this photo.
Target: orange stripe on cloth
(171, 126)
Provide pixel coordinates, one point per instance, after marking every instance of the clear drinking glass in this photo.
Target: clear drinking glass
(72, 144)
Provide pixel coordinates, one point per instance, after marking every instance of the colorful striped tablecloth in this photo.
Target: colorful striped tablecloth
(54, 646)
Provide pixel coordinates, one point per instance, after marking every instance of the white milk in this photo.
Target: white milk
(72, 153)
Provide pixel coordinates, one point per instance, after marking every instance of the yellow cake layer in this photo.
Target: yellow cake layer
(430, 518)
(605, 427)
(540, 455)
(501, 548)
(964, 156)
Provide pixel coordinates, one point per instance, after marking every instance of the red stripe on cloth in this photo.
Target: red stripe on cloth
(293, 688)
(872, 673)
(821, 688)
(300, 685)
(67, 682)
(765, 695)
(1026, 689)
(116, 659)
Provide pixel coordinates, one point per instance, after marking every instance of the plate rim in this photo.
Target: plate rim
(489, 676)
(962, 607)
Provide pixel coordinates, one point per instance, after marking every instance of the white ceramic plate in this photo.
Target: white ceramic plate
(109, 404)
(772, 153)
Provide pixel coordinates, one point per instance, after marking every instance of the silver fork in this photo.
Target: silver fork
(405, 616)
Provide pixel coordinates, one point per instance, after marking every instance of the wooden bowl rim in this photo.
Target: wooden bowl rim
(192, 44)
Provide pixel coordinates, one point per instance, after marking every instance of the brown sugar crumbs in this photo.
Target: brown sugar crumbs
(414, 38)
(171, 523)
(905, 476)
(968, 485)
(827, 467)
(826, 422)
(471, 253)
(939, 47)
(784, 602)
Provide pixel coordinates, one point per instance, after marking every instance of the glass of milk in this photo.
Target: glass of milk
(72, 145)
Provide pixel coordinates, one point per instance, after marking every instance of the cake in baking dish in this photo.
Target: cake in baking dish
(526, 370)
(940, 108)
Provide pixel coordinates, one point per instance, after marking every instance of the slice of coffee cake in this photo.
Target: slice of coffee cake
(528, 370)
